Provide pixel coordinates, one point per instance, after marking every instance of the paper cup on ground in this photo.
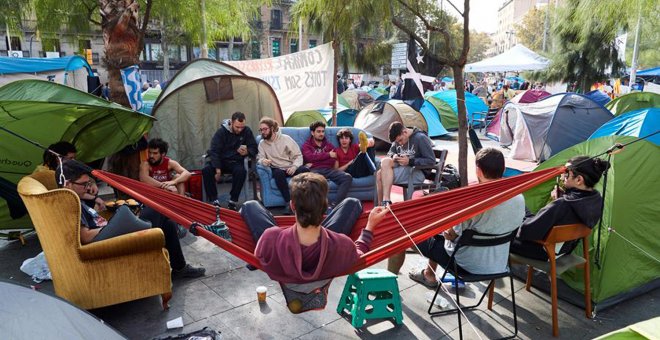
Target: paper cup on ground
(261, 294)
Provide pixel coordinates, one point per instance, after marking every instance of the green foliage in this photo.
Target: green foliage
(12, 14)
(585, 49)
(56, 16)
(479, 44)
(530, 30)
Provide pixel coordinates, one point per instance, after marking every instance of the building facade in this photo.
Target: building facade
(511, 13)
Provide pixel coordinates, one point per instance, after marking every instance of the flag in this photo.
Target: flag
(133, 86)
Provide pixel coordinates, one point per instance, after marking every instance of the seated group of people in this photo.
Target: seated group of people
(317, 245)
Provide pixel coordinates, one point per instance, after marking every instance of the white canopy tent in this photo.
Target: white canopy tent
(518, 58)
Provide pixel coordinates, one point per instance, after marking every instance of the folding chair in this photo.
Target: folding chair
(432, 181)
(474, 239)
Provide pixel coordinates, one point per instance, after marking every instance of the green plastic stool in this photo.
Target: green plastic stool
(371, 294)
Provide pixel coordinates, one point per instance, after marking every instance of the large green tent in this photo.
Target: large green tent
(46, 112)
(627, 264)
(633, 101)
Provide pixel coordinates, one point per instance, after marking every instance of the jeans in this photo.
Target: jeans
(340, 220)
(362, 166)
(280, 176)
(342, 179)
(177, 261)
(238, 175)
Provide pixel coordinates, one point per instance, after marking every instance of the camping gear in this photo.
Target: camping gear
(432, 117)
(194, 185)
(633, 101)
(358, 290)
(149, 99)
(30, 314)
(599, 97)
(446, 104)
(528, 96)
(71, 71)
(643, 330)
(304, 118)
(355, 99)
(376, 118)
(199, 97)
(537, 131)
(629, 236)
(518, 58)
(46, 112)
(346, 117)
(639, 123)
(379, 93)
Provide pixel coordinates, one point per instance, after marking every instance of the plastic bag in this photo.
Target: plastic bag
(37, 268)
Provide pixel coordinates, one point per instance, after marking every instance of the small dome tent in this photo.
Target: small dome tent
(536, 131)
(199, 97)
(527, 96)
(355, 99)
(446, 104)
(633, 101)
(376, 118)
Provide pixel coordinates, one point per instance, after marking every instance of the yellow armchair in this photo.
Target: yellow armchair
(98, 274)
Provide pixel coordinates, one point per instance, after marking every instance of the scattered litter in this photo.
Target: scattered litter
(439, 302)
(175, 323)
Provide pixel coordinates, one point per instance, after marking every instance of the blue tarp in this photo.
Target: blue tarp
(432, 118)
(649, 72)
(34, 65)
(599, 97)
(638, 123)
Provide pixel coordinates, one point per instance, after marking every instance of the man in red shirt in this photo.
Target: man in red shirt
(158, 169)
(305, 251)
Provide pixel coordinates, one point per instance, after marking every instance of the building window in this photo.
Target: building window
(293, 46)
(84, 45)
(95, 58)
(312, 43)
(276, 47)
(15, 43)
(184, 54)
(276, 19)
(256, 49)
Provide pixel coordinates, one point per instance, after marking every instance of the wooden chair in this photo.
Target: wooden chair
(556, 266)
(432, 182)
(116, 270)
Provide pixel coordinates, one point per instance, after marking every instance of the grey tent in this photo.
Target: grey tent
(376, 118)
(199, 97)
(536, 131)
(29, 314)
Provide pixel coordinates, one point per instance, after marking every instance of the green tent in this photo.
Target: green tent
(46, 112)
(633, 101)
(304, 118)
(631, 210)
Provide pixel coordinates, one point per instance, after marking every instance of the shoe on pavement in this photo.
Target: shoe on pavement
(181, 231)
(188, 271)
(363, 141)
(232, 205)
(385, 203)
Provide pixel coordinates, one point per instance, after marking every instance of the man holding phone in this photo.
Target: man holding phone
(409, 147)
(232, 142)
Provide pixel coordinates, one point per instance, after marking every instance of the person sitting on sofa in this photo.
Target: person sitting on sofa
(353, 158)
(319, 156)
(93, 227)
(282, 154)
(313, 248)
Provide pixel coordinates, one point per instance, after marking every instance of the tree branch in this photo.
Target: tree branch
(462, 60)
(90, 12)
(445, 34)
(146, 18)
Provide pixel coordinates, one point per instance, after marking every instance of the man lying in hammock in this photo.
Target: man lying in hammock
(307, 252)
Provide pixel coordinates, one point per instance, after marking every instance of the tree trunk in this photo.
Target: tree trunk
(204, 44)
(165, 47)
(462, 124)
(335, 69)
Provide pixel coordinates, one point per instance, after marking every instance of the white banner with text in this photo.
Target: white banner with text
(302, 80)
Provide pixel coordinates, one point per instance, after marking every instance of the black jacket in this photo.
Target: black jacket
(576, 206)
(225, 144)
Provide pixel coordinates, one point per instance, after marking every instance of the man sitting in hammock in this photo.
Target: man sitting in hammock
(306, 251)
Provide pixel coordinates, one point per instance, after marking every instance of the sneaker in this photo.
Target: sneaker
(385, 203)
(231, 205)
(215, 203)
(181, 231)
(250, 267)
(451, 281)
(188, 272)
(363, 141)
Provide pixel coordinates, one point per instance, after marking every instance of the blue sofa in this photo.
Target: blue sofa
(362, 188)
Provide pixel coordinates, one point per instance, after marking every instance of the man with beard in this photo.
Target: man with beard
(158, 169)
(282, 154)
(319, 156)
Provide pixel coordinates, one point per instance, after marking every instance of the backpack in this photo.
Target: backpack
(450, 177)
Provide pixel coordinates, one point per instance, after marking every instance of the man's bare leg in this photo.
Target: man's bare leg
(386, 177)
(395, 262)
(379, 189)
(181, 188)
(430, 271)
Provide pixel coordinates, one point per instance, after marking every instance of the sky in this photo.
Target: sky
(483, 13)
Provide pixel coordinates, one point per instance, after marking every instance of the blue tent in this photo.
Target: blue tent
(446, 104)
(346, 117)
(638, 123)
(599, 97)
(650, 72)
(432, 117)
(36, 65)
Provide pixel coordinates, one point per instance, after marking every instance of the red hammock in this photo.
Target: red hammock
(422, 218)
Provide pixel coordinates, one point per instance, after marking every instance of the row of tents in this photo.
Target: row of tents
(205, 92)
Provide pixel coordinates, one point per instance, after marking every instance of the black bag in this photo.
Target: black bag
(202, 334)
(450, 177)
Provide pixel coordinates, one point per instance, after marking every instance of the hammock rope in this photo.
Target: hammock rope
(424, 217)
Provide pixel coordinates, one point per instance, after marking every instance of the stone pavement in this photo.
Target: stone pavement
(225, 300)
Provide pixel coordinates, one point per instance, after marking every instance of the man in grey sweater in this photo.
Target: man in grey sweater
(409, 147)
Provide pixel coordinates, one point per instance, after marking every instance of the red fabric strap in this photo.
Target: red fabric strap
(422, 218)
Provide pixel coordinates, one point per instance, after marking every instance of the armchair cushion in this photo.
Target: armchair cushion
(362, 188)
